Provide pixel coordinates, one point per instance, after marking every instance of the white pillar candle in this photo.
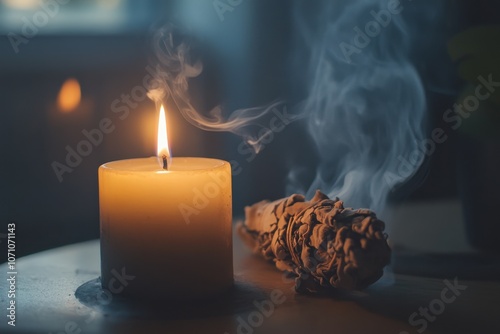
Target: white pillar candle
(168, 231)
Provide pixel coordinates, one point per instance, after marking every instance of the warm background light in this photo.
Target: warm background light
(22, 4)
(69, 96)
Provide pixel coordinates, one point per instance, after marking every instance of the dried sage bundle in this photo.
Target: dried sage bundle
(323, 244)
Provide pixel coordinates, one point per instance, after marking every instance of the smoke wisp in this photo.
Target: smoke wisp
(176, 68)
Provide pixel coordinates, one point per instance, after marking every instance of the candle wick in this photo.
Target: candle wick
(165, 162)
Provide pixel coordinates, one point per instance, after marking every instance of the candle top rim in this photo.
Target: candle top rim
(179, 164)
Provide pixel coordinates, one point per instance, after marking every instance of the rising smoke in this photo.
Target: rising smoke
(364, 106)
(365, 103)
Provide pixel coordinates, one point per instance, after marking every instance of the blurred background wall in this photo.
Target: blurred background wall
(62, 67)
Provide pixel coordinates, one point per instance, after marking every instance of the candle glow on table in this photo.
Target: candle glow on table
(169, 229)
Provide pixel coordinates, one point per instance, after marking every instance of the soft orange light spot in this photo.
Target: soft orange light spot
(69, 96)
(22, 4)
(162, 148)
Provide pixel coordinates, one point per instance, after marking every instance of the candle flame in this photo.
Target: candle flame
(69, 96)
(163, 151)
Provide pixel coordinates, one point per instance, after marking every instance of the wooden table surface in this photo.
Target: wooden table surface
(46, 302)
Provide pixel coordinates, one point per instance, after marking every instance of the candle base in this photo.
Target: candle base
(155, 274)
(140, 295)
(135, 288)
